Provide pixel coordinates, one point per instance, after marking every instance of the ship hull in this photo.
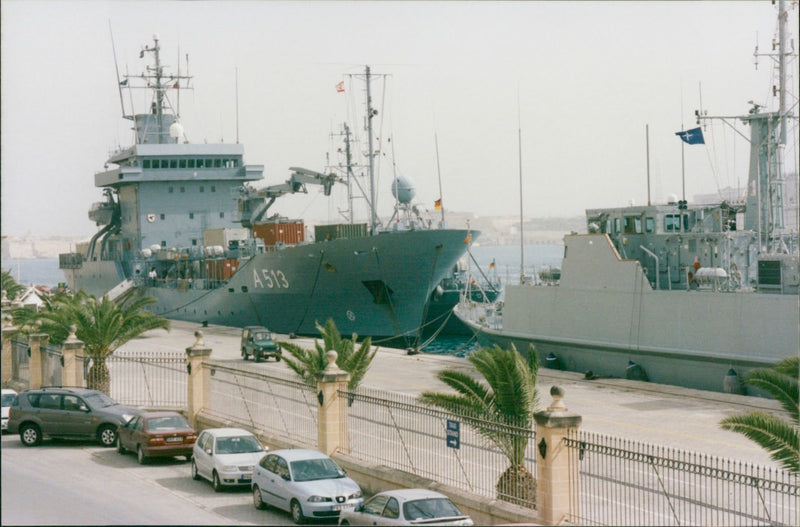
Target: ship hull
(374, 286)
(607, 316)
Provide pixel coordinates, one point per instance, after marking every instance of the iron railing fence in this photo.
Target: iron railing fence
(147, 379)
(20, 361)
(271, 403)
(399, 432)
(624, 482)
(52, 363)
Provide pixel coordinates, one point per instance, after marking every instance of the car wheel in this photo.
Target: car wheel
(257, 356)
(107, 435)
(258, 503)
(344, 522)
(30, 435)
(120, 448)
(140, 455)
(297, 513)
(277, 358)
(244, 354)
(216, 483)
(195, 475)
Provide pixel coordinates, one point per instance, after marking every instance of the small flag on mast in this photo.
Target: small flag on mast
(692, 137)
(437, 205)
(340, 87)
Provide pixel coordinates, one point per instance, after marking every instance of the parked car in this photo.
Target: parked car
(406, 507)
(74, 413)
(8, 399)
(306, 483)
(157, 434)
(257, 342)
(226, 456)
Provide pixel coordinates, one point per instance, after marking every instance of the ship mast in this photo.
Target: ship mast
(370, 114)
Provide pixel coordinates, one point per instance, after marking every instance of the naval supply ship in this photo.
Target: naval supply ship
(183, 222)
(688, 294)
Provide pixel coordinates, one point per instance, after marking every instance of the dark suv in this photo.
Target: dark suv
(257, 342)
(75, 413)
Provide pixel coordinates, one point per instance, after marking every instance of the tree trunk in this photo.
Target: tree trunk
(518, 486)
(99, 377)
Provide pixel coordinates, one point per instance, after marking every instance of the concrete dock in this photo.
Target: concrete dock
(670, 416)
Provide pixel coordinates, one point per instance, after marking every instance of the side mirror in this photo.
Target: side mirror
(209, 452)
(286, 477)
(266, 448)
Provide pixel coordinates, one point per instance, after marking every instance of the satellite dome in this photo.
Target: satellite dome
(176, 130)
(403, 189)
(672, 199)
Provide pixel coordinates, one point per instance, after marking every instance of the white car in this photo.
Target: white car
(406, 507)
(8, 398)
(306, 483)
(226, 456)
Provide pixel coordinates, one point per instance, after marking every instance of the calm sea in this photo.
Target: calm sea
(45, 271)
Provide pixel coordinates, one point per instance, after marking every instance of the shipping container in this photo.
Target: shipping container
(221, 269)
(288, 233)
(224, 236)
(339, 230)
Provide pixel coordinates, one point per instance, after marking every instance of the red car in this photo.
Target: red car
(157, 434)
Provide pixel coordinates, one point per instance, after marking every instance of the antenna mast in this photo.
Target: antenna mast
(370, 114)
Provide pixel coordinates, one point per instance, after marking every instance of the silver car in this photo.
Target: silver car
(406, 507)
(306, 483)
(226, 456)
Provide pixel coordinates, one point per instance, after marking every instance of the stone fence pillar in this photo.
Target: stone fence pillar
(199, 383)
(35, 343)
(72, 367)
(557, 488)
(7, 364)
(332, 412)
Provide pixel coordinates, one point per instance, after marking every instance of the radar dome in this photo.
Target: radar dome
(176, 130)
(672, 199)
(403, 189)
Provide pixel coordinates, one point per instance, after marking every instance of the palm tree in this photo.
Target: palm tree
(779, 437)
(102, 325)
(9, 285)
(501, 410)
(309, 364)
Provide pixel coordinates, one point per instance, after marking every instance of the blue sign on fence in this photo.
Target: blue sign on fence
(453, 434)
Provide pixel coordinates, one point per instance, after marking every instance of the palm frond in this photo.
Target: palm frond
(780, 386)
(775, 436)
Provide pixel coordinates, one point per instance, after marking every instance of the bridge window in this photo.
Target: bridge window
(649, 225)
(191, 163)
(146, 163)
(633, 225)
(182, 163)
(617, 225)
(202, 188)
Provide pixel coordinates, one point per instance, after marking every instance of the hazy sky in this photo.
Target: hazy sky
(581, 80)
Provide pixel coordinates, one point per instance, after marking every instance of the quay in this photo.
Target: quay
(670, 416)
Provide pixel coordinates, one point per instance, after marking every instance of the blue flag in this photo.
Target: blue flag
(692, 137)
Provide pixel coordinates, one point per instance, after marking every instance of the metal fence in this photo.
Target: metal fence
(20, 361)
(269, 403)
(623, 482)
(398, 432)
(148, 379)
(52, 362)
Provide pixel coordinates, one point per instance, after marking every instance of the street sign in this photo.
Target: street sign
(453, 434)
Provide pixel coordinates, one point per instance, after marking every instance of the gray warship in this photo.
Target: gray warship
(681, 293)
(183, 222)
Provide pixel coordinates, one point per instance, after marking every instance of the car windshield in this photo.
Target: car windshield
(430, 508)
(314, 469)
(8, 399)
(170, 422)
(99, 400)
(238, 445)
(262, 335)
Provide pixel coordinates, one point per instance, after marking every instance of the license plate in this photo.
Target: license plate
(245, 479)
(345, 506)
(174, 439)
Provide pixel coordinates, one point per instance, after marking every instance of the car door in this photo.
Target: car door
(372, 510)
(269, 476)
(49, 414)
(126, 433)
(76, 417)
(391, 513)
(204, 460)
